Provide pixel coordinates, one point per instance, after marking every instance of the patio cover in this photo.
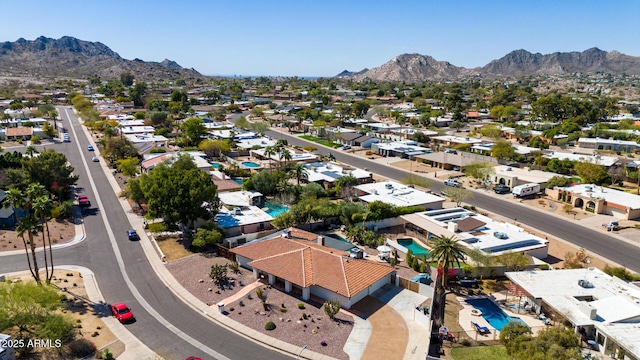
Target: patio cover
(517, 290)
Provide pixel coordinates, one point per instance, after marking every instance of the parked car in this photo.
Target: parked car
(450, 151)
(346, 147)
(132, 235)
(122, 312)
(83, 201)
(452, 182)
(90, 147)
(502, 189)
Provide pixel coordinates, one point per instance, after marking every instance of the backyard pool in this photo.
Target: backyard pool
(492, 313)
(250, 164)
(274, 209)
(216, 165)
(414, 247)
(238, 180)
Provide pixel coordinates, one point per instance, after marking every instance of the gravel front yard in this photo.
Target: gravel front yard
(298, 326)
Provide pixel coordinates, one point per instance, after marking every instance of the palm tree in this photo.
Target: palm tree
(299, 172)
(31, 226)
(31, 150)
(268, 152)
(285, 155)
(42, 207)
(446, 251)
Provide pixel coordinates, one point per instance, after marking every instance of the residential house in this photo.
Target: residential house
(297, 261)
(326, 173)
(398, 194)
(599, 200)
(608, 144)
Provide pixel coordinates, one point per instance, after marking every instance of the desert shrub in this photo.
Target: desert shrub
(543, 267)
(82, 347)
(301, 306)
(269, 326)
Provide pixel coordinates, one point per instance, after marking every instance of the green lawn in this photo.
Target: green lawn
(479, 353)
(321, 141)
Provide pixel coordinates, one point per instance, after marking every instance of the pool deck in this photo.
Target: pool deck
(465, 318)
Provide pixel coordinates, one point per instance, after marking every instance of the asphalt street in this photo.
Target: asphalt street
(163, 327)
(609, 247)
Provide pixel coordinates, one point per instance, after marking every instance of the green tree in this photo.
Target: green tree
(459, 195)
(592, 173)
(126, 78)
(514, 261)
(332, 308)
(445, 252)
(51, 170)
(259, 128)
(218, 274)
(345, 186)
(116, 148)
(558, 181)
(503, 150)
(242, 123)
(129, 166)
(537, 142)
(207, 236)
(214, 148)
(193, 129)
(138, 93)
(179, 193)
(158, 118)
(479, 170)
(299, 172)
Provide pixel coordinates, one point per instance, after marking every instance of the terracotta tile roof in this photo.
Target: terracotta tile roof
(19, 131)
(309, 263)
(146, 164)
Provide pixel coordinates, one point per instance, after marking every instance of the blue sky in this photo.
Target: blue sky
(322, 38)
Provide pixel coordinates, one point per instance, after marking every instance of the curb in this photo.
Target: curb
(190, 300)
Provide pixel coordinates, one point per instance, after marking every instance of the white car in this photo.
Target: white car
(95, 159)
(452, 182)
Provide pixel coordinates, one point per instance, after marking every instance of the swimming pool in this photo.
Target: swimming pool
(492, 313)
(274, 209)
(415, 248)
(216, 165)
(250, 164)
(238, 180)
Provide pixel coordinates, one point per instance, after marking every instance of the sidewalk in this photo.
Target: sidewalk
(134, 348)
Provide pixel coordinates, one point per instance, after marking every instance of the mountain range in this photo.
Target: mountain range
(418, 68)
(74, 58)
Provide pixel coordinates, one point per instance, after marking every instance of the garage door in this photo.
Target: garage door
(620, 214)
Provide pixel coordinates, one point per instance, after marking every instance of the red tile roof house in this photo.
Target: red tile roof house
(297, 258)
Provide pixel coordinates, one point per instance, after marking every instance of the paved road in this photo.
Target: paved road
(165, 325)
(598, 243)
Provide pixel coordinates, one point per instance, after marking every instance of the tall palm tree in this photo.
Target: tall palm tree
(268, 152)
(31, 226)
(299, 172)
(285, 155)
(447, 251)
(42, 207)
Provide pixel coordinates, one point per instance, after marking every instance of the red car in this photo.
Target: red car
(122, 312)
(193, 358)
(83, 201)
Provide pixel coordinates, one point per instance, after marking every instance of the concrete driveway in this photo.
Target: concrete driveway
(389, 333)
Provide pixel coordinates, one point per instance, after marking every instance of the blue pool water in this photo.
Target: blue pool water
(274, 209)
(492, 313)
(250, 164)
(215, 165)
(414, 246)
(238, 180)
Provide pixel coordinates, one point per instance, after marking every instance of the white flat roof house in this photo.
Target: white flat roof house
(295, 156)
(607, 308)
(513, 176)
(130, 130)
(479, 232)
(449, 140)
(599, 200)
(398, 194)
(240, 198)
(326, 173)
(607, 144)
(605, 161)
(405, 149)
(262, 142)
